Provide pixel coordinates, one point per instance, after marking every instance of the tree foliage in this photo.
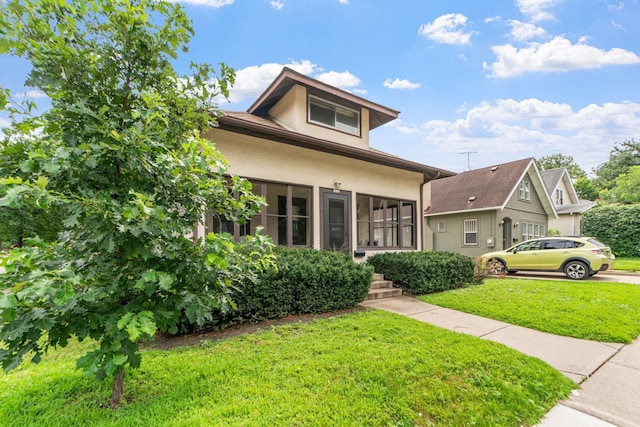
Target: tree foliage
(556, 161)
(120, 151)
(623, 156)
(627, 188)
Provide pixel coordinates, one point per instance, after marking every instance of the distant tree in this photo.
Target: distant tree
(121, 152)
(623, 156)
(555, 161)
(627, 188)
(585, 189)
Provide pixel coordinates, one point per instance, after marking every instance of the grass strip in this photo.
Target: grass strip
(607, 312)
(369, 368)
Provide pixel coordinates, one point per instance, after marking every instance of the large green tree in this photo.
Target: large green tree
(121, 152)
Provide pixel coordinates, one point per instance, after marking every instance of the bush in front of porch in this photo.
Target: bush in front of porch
(425, 271)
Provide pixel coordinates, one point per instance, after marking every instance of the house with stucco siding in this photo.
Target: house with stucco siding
(304, 145)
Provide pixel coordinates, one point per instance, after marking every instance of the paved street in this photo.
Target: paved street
(600, 277)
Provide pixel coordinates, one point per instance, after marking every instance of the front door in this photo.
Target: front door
(335, 221)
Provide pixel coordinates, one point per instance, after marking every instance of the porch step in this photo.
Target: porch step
(381, 288)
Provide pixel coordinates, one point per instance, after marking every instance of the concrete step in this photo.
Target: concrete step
(379, 284)
(383, 293)
(378, 276)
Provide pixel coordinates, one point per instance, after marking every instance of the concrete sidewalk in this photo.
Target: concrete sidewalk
(611, 396)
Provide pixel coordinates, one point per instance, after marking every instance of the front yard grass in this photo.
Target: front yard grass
(368, 368)
(607, 312)
(627, 264)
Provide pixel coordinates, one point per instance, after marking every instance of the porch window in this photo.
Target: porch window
(335, 116)
(286, 218)
(386, 223)
(525, 190)
(470, 231)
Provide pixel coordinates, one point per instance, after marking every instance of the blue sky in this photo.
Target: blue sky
(502, 79)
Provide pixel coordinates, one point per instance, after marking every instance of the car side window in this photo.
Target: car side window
(552, 244)
(528, 246)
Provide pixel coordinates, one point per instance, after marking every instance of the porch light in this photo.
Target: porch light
(515, 225)
(501, 223)
(337, 184)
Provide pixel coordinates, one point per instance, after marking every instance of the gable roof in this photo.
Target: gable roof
(265, 128)
(378, 114)
(553, 177)
(488, 188)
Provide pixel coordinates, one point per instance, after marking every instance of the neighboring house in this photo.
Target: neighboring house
(304, 145)
(487, 209)
(566, 201)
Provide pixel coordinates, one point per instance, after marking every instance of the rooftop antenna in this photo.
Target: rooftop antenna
(468, 158)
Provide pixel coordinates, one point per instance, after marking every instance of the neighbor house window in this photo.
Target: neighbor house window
(335, 116)
(559, 197)
(286, 218)
(441, 227)
(525, 190)
(470, 231)
(531, 230)
(386, 222)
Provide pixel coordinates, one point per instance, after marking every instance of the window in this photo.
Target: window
(286, 218)
(441, 227)
(470, 231)
(525, 190)
(531, 230)
(559, 197)
(332, 115)
(386, 222)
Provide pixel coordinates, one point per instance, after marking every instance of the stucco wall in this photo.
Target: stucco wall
(291, 112)
(259, 159)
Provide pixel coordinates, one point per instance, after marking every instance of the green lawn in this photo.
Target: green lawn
(627, 264)
(368, 368)
(608, 312)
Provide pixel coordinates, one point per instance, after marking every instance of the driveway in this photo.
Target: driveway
(607, 276)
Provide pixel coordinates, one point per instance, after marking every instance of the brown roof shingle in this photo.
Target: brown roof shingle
(479, 189)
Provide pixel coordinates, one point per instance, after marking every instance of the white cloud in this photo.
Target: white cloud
(523, 31)
(252, 81)
(556, 55)
(343, 1)
(342, 80)
(207, 3)
(537, 10)
(616, 7)
(447, 29)
(400, 84)
(33, 94)
(276, 4)
(617, 26)
(4, 122)
(516, 129)
(492, 19)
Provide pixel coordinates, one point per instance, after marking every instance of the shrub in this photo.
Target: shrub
(616, 226)
(425, 272)
(305, 281)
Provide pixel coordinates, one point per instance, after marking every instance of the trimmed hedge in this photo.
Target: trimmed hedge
(616, 226)
(305, 281)
(425, 272)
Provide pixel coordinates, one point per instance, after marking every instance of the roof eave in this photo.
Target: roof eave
(234, 124)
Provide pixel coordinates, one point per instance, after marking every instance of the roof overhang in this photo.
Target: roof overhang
(378, 114)
(273, 133)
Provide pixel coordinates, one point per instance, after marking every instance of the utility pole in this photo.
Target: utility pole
(468, 158)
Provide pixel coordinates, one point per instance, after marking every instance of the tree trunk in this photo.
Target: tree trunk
(118, 389)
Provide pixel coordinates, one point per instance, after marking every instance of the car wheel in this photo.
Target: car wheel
(495, 267)
(576, 270)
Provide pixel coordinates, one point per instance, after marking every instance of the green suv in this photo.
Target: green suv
(577, 257)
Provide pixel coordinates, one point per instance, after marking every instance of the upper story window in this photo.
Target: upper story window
(335, 116)
(559, 197)
(525, 190)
